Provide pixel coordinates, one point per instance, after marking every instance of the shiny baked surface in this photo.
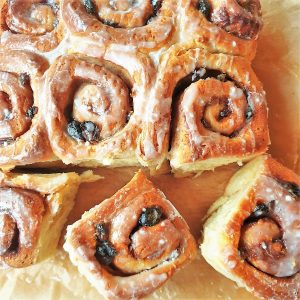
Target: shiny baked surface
(202, 190)
(131, 243)
(34, 209)
(101, 100)
(251, 232)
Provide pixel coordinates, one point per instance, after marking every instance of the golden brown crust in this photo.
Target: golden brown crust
(33, 210)
(26, 209)
(41, 32)
(20, 81)
(121, 81)
(262, 181)
(219, 108)
(229, 27)
(145, 256)
(104, 25)
(115, 33)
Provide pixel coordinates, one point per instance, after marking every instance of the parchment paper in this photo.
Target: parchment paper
(278, 66)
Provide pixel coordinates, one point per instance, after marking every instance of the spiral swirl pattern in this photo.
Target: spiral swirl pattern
(21, 213)
(15, 101)
(269, 238)
(230, 26)
(125, 13)
(238, 17)
(22, 134)
(94, 107)
(100, 96)
(220, 106)
(113, 239)
(32, 25)
(252, 233)
(145, 25)
(219, 109)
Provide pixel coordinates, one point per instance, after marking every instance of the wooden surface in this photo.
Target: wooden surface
(277, 65)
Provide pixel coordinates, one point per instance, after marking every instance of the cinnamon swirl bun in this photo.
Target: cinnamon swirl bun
(94, 107)
(252, 233)
(219, 109)
(131, 243)
(33, 210)
(223, 26)
(23, 138)
(145, 25)
(33, 25)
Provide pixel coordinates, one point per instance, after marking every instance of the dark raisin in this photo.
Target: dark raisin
(198, 74)
(105, 252)
(150, 216)
(296, 191)
(205, 124)
(222, 77)
(224, 113)
(101, 232)
(31, 112)
(74, 130)
(24, 79)
(90, 7)
(249, 113)
(15, 241)
(293, 188)
(234, 134)
(110, 23)
(86, 131)
(271, 205)
(156, 4)
(204, 7)
(90, 132)
(261, 210)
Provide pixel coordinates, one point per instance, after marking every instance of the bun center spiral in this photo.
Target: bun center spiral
(21, 214)
(125, 13)
(238, 17)
(31, 17)
(8, 229)
(218, 106)
(134, 253)
(16, 98)
(93, 101)
(105, 104)
(269, 239)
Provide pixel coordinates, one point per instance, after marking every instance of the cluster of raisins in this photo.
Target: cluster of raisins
(84, 131)
(105, 252)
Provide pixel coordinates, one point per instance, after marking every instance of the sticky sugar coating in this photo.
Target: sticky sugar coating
(131, 243)
(252, 233)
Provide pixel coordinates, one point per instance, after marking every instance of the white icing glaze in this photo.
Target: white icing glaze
(131, 16)
(61, 49)
(24, 210)
(126, 13)
(19, 98)
(34, 27)
(146, 264)
(287, 208)
(105, 104)
(36, 18)
(237, 18)
(197, 105)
